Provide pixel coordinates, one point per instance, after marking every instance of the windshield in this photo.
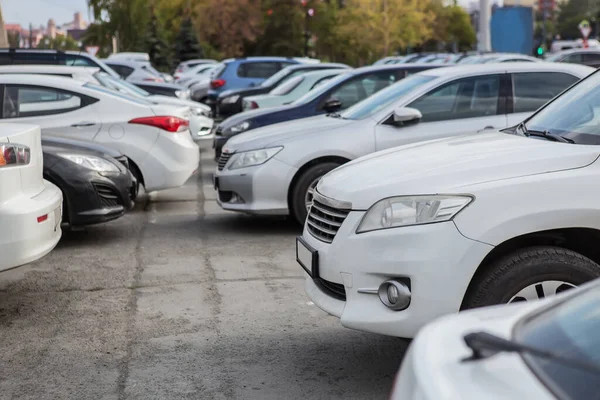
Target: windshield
(275, 78)
(385, 97)
(313, 94)
(569, 329)
(120, 95)
(287, 86)
(575, 114)
(554, 57)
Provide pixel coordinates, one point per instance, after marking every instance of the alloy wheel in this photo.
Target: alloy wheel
(541, 290)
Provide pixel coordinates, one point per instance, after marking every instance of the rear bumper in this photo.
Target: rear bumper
(224, 110)
(171, 161)
(27, 240)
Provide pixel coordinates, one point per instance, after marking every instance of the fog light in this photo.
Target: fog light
(394, 295)
(236, 199)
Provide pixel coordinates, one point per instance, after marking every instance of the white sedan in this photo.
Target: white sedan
(401, 237)
(540, 350)
(200, 123)
(291, 90)
(155, 138)
(30, 207)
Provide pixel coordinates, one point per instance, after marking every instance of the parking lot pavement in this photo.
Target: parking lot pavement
(179, 300)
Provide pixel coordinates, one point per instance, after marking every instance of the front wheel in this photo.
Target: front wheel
(530, 274)
(303, 191)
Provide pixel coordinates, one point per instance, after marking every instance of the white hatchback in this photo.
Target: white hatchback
(30, 207)
(398, 238)
(155, 138)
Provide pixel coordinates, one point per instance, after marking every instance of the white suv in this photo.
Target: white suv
(398, 238)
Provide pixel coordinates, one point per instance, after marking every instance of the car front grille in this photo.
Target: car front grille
(323, 221)
(335, 290)
(107, 195)
(223, 160)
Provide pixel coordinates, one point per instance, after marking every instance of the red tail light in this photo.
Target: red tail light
(42, 218)
(253, 105)
(217, 83)
(169, 124)
(14, 154)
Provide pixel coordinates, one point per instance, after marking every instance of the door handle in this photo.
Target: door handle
(83, 124)
(487, 128)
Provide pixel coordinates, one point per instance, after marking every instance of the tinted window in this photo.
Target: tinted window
(122, 70)
(287, 87)
(257, 69)
(532, 90)
(33, 101)
(358, 89)
(569, 329)
(576, 58)
(591, 57)
(463, 98)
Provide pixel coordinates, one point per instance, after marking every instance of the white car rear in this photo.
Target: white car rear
(156, 138)
(30, 207)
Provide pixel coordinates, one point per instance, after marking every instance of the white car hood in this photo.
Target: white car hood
(279, 134)
(436, 356)
(449, 165)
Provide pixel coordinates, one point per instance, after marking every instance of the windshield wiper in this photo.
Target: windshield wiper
(545, 134)
(334, 115)
(485, 345)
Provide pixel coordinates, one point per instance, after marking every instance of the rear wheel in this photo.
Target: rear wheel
(530, 274)
(303, 191)
(135, 171)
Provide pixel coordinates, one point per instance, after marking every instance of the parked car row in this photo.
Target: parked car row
(447, 189)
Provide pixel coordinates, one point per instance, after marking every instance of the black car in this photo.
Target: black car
(164, 89)
(96, 183)
(230, 101)
(337, 94)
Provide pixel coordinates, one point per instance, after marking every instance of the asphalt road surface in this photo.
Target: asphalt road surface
(180, 300)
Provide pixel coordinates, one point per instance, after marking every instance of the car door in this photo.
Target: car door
(529, 91)
(464, 105)
(58, 112)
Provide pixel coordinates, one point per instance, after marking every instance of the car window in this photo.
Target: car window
(219, 69)
(385, 97)
(34, 101)
(463, 98)
(122, 70)
(314, 94)
(257, 69)
(531, 90)
(321, 81)
(568, 329)
(287, 86)
(273, 79)
(591, 57)
(576, 58)
(78, 61)
(119, 84)
(358, 89)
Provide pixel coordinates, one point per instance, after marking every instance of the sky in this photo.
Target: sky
(38, 12)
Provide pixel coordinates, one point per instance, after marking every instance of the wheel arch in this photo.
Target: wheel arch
(581, 240)
(306, 166)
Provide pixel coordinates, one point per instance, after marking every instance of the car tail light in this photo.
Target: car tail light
(42, 218)
(14, 154)
(217, 83)
(253, 105)
(167, 123)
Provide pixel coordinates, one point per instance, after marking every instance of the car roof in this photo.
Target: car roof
(466, 69)
(42, 80)
(49, 69)
(316, 66)
(395, 67)
(326, 71)
(260, 58)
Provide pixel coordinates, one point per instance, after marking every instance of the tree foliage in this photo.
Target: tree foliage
(60, 42)
(187, 46)
(155, 44)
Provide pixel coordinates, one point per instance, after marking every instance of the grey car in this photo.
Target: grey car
(275, 169)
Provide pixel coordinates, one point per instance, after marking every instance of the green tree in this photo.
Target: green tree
(187, 46)
(156, 47)
(458, 28)
(571, 13)
(60, 42)
(282, 28)
(125, 19)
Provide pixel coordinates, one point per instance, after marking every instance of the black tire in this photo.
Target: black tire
(298, 206)
(505, 277)
(135, 171)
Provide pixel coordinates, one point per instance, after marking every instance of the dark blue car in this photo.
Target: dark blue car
(339, 93)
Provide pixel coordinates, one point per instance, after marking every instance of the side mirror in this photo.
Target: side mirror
(332, 104)
(404, 115)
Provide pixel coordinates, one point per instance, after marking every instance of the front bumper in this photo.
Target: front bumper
(262, 189)
(436, 258)
(24, 239)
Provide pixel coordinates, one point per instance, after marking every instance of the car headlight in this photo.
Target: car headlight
(241, 127)
(253, 157)
(91, 162)
(399, 211)
(183, 94)
(230, 99)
